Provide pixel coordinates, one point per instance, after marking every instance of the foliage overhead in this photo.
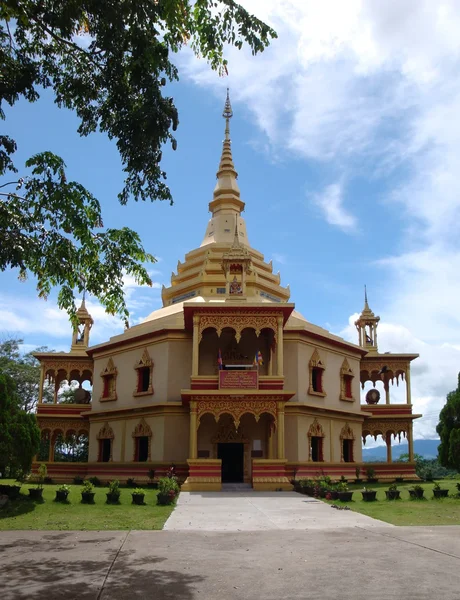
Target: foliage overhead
(448, 429)
(109, 61)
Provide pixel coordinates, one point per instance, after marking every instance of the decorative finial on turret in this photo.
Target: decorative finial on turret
(366, 305)
(366, 325)
(227, 114)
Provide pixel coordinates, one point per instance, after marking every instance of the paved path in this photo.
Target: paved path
(260, 511)
(352, 563)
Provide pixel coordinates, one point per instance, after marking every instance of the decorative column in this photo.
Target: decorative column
(56, 388)
(271, 431)
(388, 442)
(386, 384)
(410, 442)
(280, 430)
(196, 345)
(51, 448)
(270, 362)
(193, 448)
(280, 349)
(408, 392)
(42, 383)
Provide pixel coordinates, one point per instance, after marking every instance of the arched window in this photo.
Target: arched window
(144, 374)
(315, 437)
(142, 436)
(346, 382)
(347, 440)
(105, 439)
(109, 382)
(316, 368)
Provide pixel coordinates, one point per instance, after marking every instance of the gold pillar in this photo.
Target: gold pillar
(279, 347)
(193, 449)
(271, 431)
(280, 430)
(123, 443)
(42, 383)
(410, 442)
(388, 443)
(51, 448)
(331, 442)
(408, 393)
(270, 362)
(196, 345)
(387, 391)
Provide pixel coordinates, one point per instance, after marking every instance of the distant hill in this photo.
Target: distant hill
(426, 448)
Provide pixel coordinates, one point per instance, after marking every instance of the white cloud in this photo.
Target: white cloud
(365, 87)
(330, 201)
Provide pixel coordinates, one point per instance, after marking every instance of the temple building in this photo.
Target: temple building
(227, 381)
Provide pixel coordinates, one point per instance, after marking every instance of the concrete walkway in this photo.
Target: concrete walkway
(260, 511)
(353, 563)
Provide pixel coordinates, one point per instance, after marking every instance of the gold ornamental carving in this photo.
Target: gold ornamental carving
(315, 430)
(347, 433)
(236, 410)
(238, 323)
(52, 367)
(383, 370)
(54, 427)
(142, 429)
(394, 427)
(105, 433)
(315, 360)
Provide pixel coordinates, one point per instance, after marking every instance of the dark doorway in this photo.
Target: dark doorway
(347, 450)
(106, 450)
(142, 449)
(232, 456)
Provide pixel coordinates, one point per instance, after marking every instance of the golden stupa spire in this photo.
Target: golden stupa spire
(226, 192)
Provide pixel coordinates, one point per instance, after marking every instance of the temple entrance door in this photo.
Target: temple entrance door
(232, 456)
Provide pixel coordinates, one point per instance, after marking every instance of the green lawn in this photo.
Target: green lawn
(445, 511)
(46, 515)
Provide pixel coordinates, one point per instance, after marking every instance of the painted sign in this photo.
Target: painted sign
(238, 380)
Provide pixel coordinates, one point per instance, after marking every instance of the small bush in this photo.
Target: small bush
(138, 491)
(114, 486)
(167, 485)
(78, 480)
(63, 488)
(131, 482)
(87, 486)
(95, 481)
(48, 480)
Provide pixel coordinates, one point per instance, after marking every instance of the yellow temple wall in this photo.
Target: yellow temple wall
(176, 438)
(297, 356)
(172, 365)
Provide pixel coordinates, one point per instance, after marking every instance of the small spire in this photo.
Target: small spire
(227, 114)
(236, 239)
(366, 305)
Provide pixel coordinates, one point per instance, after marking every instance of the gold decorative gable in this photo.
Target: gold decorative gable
(227, 433)
(315, 360)
(315, 430)
(347, 433)
(145, 361)
(142, 429)
(110, 369)
(345, 369)
(105, 432)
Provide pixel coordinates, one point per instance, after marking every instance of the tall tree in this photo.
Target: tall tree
(448, 429)
(109, 61)
(19, 432)
(24, 369)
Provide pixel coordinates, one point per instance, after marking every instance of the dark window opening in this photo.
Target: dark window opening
(348, 386)
(109, 383)
(317, 379)
(142, 449)
(316, 449)
(143, 379)
(347, 450)
(105, 450)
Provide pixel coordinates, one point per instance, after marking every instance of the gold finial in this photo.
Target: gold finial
(366, 305)
(227, 114)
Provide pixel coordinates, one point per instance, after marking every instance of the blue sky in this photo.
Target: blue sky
(346, 140)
